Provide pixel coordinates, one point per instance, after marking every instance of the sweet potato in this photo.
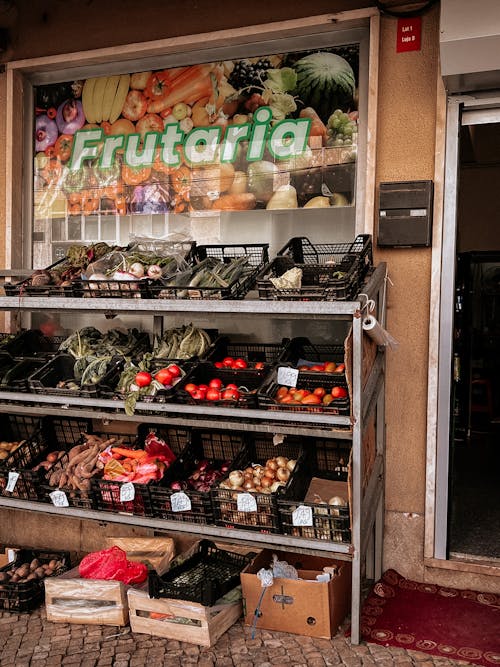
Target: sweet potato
(244, 201)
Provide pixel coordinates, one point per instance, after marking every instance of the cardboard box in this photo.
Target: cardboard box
(179, 619)
(304, 606)
(155, 552)
(72, 599)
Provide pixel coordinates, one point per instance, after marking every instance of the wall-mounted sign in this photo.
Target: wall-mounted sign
(243, 134)
(409, 34)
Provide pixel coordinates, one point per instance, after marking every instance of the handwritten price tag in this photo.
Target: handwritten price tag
(288, 376)
(12, 481)
(246, 502)
(59, 499)
(127, 492)
(302, 516)
(180, 502)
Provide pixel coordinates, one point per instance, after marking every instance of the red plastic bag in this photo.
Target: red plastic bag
(112, 563)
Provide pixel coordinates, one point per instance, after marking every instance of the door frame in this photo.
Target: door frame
(450, 110)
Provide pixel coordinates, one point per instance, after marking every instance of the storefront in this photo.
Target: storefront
(401, 136)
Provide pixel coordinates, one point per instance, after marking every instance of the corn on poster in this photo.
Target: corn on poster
(260, 133)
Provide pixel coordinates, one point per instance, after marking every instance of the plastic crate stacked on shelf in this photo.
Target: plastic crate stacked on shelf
(132, 497)
(323, 511)
(18, 432)
(40, 283)
(184, 493)
(328, 271)
(204, 577)
(218, 272)
(237, 503)
(55, 473)
(23, 594)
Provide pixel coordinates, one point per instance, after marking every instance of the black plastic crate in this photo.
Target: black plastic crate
(15, 429)
(26, 288)
(257, 255)
(113, 289)
(18, 597)
(58, 435)
(68, 436)
(266, 517)
(247, 380)
(329, 460)
(302, 352)
(252, 353)
(213, 447)
(204, 577)
(16, 378)
(61, 369)
(32, 343)
(330, 271)
(309, 381)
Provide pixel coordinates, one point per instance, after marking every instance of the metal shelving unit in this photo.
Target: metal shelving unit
(367, 399)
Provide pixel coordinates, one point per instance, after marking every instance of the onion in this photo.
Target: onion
(281, 461)
(338, 501)
(236, 478)
(266, 482)
(45, 132)
(256, 481)
(283, 474)
(271, 463)
(291, 464)
(248, 484)
(137, 270)
(155, 272)
(270, 472)
(123, 275)
(249, 470)
(70, 116)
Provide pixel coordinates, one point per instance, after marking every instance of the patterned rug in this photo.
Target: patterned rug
(458, 624)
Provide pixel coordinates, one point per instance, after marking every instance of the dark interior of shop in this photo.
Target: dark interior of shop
(474, 498)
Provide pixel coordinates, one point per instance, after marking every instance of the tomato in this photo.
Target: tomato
(219, 364)
(282, 392)
(190, 387)
(175, 370)
(231, 385)
(330, 366)
(239, 363)
(143, 379)
(319, 368)
(164, 376)
(215, 383)
(135, 175)
(213, 394)
(340, 368)
(339, 392)
(198, 395)
(228, 361)
(319, 391)
(63, 147)
(311, 399)
(259, 365)
(230, 394)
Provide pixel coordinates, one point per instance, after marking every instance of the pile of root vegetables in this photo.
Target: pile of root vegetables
(33, 571)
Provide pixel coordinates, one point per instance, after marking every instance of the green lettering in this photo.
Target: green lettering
(201, 144)
(111, 145)
(262, 117)
(145, 157)
(289, 138)
(234, 134)
(170, 140)
(85, 147)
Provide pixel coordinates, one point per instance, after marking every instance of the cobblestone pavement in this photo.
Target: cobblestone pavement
(29, 640)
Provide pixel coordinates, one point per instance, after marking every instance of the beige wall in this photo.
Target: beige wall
(405, 151)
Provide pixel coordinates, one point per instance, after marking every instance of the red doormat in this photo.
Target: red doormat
(461, 625)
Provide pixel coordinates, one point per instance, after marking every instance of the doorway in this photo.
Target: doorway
(474, 453)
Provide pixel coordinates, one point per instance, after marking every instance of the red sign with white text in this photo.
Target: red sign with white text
(409, 34)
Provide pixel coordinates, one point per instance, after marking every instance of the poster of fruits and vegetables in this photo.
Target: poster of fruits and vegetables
(255, 133)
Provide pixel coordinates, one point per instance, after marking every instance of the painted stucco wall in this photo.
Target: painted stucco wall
(405, 151)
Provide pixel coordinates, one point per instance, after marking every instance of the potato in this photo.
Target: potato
(48, 571)
(4, 576)
(3, 454)
(40, 572)
(15, 578)
(31, 576)
(34, 564)
(53, 564)
(23, 571)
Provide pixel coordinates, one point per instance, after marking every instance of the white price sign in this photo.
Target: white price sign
(12, 481)
(180, 502)
(127, 492)
(59, 499)
(288, 376)
(246, 502)
(302, 516)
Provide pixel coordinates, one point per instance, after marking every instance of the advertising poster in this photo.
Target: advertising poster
(273, 132)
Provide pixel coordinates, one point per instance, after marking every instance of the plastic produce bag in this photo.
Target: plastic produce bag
(112, 564)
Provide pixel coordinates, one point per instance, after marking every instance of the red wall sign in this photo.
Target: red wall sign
(409, 34)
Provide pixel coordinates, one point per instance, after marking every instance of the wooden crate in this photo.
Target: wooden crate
(72, 599)
(156, 617)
